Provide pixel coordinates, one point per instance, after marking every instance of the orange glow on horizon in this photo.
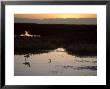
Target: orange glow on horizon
(54, 16)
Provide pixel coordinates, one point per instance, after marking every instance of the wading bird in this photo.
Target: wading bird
(27, 55)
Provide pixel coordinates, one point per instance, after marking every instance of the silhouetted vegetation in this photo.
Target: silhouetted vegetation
(88, 32)
(75, 39)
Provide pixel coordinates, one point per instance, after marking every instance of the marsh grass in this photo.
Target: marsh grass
(47, 44)
(75, 39)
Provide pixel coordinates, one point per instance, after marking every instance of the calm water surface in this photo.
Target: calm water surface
(55, 63)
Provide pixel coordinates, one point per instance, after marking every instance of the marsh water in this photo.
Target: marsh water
(54, 63)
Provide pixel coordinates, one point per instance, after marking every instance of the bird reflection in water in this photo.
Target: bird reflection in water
(26, 62)
(49, 61)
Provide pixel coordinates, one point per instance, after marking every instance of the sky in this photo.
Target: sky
(56, 18)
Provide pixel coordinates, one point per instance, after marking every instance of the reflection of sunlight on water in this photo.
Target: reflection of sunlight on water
(29, 35)
(26, 34)
(60, 50)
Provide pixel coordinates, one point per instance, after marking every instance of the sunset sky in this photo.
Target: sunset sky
(54, 16)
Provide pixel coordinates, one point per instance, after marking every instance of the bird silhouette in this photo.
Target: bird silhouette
(27, 55)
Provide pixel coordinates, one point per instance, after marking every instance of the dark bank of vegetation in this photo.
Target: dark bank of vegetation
(75, 39)
(55, 29)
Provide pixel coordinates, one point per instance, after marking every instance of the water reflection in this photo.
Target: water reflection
(60, 50)
(26, 34)
(55, 63)
(49, 60)
(94, 68)
(80, 68)
(26, 60)
(27, 64)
